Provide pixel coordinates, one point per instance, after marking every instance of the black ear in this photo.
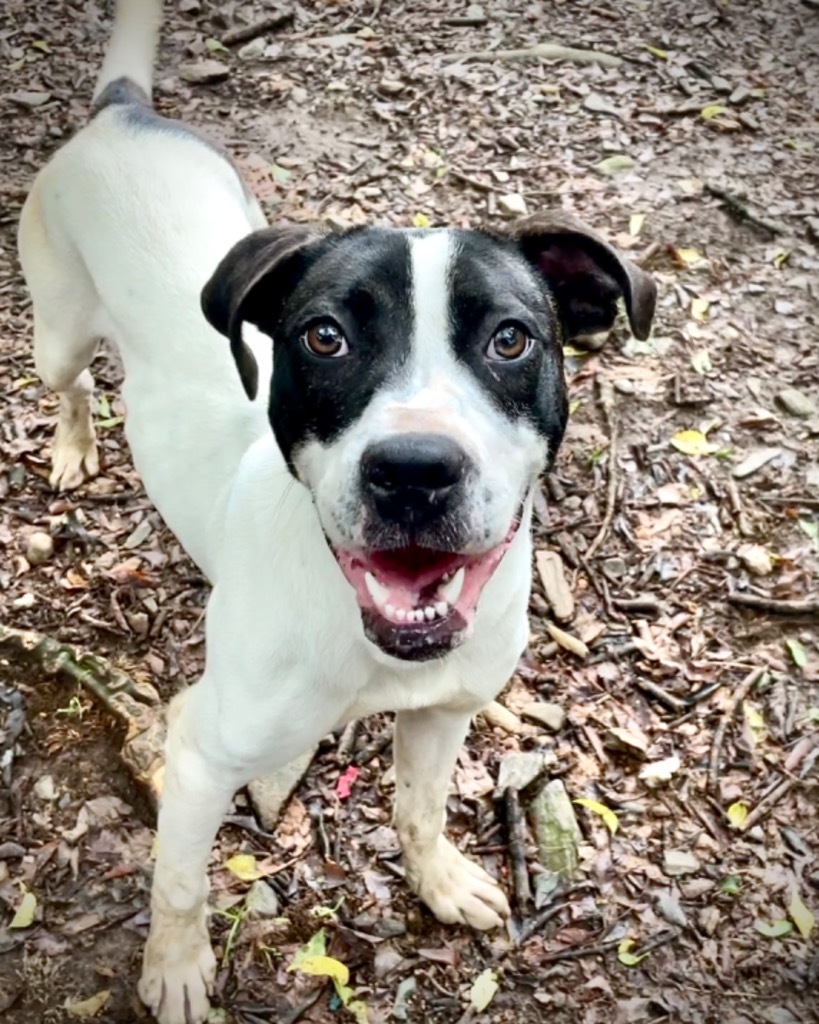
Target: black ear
(232, 295)
(585, 274)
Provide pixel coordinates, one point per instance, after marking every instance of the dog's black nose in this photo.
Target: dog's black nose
(410, 477)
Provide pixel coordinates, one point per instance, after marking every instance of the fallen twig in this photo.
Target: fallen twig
(244, 33)
(740, 211)
(671, 703)
(516, 830)
(136, 705)
(740, 694)
(543, 51)
(607, 404)
(767, 804)
(774, 606)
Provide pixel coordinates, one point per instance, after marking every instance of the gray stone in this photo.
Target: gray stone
(557, 833)
(551, 715)
(796, 403)
(519, 770)
(513, 205)
(204, 72)
(754, 461)
(269, 795)
(261, 900)
(29, 99)
(680, 862)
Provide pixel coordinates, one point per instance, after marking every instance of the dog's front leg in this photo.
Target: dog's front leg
(179, 965)
(454, 888)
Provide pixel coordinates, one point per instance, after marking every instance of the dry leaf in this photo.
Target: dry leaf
(244, 867)
(606, 813)
(24, 915)
(693, 442)
(699, 308)
(801, 916)
(87, 1008)
(483, 989)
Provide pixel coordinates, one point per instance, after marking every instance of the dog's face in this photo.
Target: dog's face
(418, 392)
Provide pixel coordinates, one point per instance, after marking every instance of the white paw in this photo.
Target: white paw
(178, 971)
(457, 890)
(74, 459)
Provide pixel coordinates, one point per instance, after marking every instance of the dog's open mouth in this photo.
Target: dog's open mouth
(418, 603)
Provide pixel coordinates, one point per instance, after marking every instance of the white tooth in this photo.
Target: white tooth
(378, 593)
(429, 612)
(441, 609)
(418, 615)
(452, 591)
(400, 614)
(388, 608)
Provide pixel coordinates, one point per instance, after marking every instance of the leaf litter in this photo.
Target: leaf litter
(639, 640)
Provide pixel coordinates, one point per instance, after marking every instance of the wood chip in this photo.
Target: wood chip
(553, 578)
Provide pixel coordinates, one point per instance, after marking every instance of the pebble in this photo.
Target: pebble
(255, 48)
(204, 72)
(269, 794)
(513, 204)
(190, 6)
(45, 789)
(614, 567)
(391, 86)
(261, 900)
(553, 716)
(796, 403)
(29, 99)
(755, 558)
(754, 461)
(679, 862)
(40, 548)
(519, 770)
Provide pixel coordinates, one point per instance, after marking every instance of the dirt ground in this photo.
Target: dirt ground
(683, 507)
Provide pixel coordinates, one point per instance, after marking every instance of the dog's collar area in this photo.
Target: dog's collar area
(418, 603)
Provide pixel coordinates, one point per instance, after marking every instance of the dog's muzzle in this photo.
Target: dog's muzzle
(416, 588)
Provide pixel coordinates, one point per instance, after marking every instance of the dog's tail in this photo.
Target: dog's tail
(127, 70)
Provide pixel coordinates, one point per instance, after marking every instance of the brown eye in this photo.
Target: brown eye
(509, 343)
(326, 340)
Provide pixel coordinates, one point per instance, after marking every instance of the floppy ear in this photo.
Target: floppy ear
(233, 294)
(585, 274)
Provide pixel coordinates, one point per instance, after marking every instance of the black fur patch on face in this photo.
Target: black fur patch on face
(493, 285)
(360, 281)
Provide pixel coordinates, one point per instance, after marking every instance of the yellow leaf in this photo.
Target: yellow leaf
(574, 405)
(420, 220)
(574, 353)
(781, 257)
(711, 111)
(800, 915)
(756, 723)
(737, 813)
(243, 865)
(693, 442)
(606, 813)
(483, 989)
(635, 223)
(324, 967)
(24, 916)
(625, 957)
(699, 308)
(88, 1007)
(690, 257)
(656, 52)
(701, 361)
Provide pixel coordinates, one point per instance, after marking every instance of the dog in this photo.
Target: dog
(344, 429)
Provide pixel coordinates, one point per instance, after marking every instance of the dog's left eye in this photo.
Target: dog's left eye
(509, 343)
(325, 339)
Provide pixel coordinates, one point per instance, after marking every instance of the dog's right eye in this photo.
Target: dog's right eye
(325, 339)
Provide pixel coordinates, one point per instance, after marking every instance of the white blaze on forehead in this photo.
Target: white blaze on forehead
(431, 255)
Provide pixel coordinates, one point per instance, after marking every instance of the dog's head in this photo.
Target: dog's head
(418, 392)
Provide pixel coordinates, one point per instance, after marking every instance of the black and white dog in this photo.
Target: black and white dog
(371, 551)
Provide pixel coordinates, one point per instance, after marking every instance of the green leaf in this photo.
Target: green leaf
(701, 361)
(214, 46)
(655, 51)
(737, 813)
(774, 930)
(483, 989)
(606, 813)
(614, 164)
(731, 885)
(797, 652)
(801, 916)
(711, 111)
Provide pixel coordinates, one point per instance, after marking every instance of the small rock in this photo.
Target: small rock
(255, 48)
(669, 908)
(190, 6)
(721, 84)
(755, 559)
(299, 95)
(389, 928)
(708, 919)
(748, 121)
(598, 104)
(139, 622)
(552, 716)
(268, 795)
(40, 548)
(513, 204)
(625, 387)
(557, 832)
(29, 99)
(45, 789)
(754, 461)
(476, 14)
(680, 862)
(204, 72)
(739, 95)
(784, 307)
(261, 900)
(626, 741)
(796, 403)
(139, 534)
(552, 576)
(614, 568)
(519, 770)
(24, 601)
(391, 86)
